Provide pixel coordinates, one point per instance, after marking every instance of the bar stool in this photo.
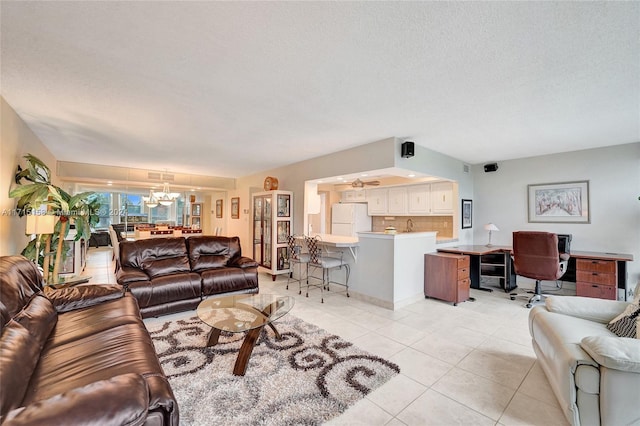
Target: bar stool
(325, 261)
(296, 257)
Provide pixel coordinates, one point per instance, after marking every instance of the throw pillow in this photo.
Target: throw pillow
(627, 326)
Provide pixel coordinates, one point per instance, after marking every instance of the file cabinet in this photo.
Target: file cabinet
(596, 278)
(446, 277)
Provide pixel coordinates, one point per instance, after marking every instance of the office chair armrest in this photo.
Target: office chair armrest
(599, 310)
(564, 256)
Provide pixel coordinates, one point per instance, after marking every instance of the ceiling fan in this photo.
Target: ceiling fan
(358, 184)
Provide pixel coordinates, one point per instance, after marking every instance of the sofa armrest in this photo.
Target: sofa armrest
(616, 353)
(589, 308)
(82, 296)
(127, 275)
(245, 262)
(122, 400)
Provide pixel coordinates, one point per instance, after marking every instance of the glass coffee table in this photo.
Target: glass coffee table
(248, 313)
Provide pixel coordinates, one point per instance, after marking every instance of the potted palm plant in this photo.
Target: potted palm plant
(35, 191)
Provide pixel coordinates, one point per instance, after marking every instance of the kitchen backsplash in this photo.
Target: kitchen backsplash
(442, 224)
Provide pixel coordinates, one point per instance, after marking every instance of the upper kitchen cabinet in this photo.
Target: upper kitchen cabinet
(353, 197)
(377, 201)
(442, 198)
(397, 200)
(416, 200)
(419, 199)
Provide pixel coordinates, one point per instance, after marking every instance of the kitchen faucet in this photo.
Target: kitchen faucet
(409, 225)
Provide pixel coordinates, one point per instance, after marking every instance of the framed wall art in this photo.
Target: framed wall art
(467, 214)
(235, 208)
(219, 209)
(562, 202)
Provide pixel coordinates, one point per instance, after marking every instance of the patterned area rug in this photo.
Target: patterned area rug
(307, 378)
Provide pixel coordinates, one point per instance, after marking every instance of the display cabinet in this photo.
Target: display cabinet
(196, 215)
(272, 224)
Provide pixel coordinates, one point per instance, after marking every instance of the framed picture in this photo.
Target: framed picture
(284, 209)
(467, 214)
(235, 208)
(219, 209)
(284, 229)
(563, 202)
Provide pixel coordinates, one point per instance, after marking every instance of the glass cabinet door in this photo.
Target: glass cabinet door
(257, 229)
(267, 239)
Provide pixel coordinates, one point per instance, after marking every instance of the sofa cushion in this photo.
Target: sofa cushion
(21, 344)
(124, 400)
(208, 252)
(167, 266)
(20, 280)
(226, 280)
(588, 308)
(614, 352)
(166, 289)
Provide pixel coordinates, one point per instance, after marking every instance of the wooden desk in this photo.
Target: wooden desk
(476, 252)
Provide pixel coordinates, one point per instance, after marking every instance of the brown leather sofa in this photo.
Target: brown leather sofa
(168, 275)
(78, 355)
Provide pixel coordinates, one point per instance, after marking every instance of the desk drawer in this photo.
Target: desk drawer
(463, 290)
(463, 262)
(463, 273)
(596, 290)
(593, 265)
(595, 277)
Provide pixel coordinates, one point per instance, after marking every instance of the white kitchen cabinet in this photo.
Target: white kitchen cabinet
(377, 201)
(442, 198)
(354, 197)
(397, 200)
(419, 199)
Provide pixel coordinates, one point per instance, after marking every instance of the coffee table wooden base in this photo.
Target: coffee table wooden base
(246, 349)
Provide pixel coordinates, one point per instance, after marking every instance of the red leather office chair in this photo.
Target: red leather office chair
(536, 256)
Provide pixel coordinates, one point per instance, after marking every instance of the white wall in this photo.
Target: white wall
(16, 141)
(614, 186)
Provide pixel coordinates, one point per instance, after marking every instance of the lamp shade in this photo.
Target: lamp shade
(491, 227)
(40, 224)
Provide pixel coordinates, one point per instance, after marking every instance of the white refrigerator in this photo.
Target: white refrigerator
(349, 218)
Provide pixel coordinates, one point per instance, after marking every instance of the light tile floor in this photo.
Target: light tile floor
(470, 364)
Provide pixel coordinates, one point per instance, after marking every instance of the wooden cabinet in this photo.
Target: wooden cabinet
(419, 199)
(377, 201)
(596, 278)
(272, 224)
(354, 197)
(397, 200)
(442, 198)
(446, 277)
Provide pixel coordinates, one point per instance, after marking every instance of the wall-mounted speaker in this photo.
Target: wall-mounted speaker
(491, 167)
(408, 149)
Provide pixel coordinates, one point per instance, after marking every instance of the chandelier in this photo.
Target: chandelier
(164, 197)
(151, 200)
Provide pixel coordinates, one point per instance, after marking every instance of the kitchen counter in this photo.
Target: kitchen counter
(397, 235)
(338, 240)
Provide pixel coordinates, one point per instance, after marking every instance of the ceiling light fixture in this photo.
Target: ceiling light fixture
(151, 200)
(166, 197)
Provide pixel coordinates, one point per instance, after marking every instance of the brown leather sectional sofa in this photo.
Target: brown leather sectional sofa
(168, 275)
(78, 355)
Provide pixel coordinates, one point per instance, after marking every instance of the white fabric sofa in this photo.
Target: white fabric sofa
(594, 374)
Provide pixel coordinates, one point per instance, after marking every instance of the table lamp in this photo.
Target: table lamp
(490, 227)
(40, 224)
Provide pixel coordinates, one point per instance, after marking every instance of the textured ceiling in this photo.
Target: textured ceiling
(233, 88)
